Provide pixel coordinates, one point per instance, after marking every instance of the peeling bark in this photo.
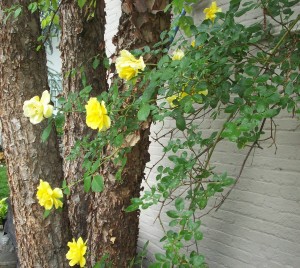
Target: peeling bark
(23, 74)
(111, 230)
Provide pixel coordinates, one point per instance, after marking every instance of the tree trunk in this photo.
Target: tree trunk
(82, 38)
(111, 230)
(23, 74)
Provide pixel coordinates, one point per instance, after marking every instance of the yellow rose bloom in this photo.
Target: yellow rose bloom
(178, 54)
(96, 115)
(48, 197)
(210, 12)
(128, 66)
(193, 43)
(37, 109)
(76, 252)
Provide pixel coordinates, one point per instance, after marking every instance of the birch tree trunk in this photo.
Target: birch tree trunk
(23, 74)
(82, 38)
(111, 230)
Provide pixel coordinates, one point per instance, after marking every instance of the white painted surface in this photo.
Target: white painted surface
(259, 224)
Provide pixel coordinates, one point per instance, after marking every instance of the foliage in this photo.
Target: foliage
(249, 75)
(4, 190)
(3, 208)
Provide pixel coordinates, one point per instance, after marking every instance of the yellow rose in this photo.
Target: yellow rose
(76, 252)
(48, 197)
(37, 109)
(128, 66)
(193, 43)
(178, 54)
(210, 12)
(96, 115)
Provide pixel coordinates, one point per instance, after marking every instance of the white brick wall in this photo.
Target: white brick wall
(259, 224)
(113, 13)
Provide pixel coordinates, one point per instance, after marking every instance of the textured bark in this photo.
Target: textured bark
(111, 230)
(81, 40)
(23, 74)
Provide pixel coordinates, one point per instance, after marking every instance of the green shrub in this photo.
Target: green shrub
(4, 190)
(3, 209)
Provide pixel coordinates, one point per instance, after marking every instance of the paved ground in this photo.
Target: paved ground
(8, 257)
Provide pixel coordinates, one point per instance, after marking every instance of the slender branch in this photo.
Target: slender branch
(242, 167)
(273, 52)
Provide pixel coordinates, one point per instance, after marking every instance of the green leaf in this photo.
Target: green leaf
(144, 112)
(166, 264)
(56, 19)
(17, 12)
(197, 260)
(173, 223)
(67, 190)
(271, 113)
(179, 204)
(85, 91)
(97, 184)
(95, 165)
(55, 4)
(167, 8)
(163, 60)
(245, 10)
(132, 207)
(262, 78)
(38, 48)
(96, 63)
(148, 94)
(160, 257)
(33, 7)
(202, 203)
(59, 123)
(119, 140)
(180, 122)
(104, 262)
(106, 63)
(46, 132)
(234, 5)
(173, 214)
(81, 3)
(147, 49)
(198, 235)
(188, 236)
(87, 183)
(252, 70)
(46, 213)
(46, 21)
(64, 184)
